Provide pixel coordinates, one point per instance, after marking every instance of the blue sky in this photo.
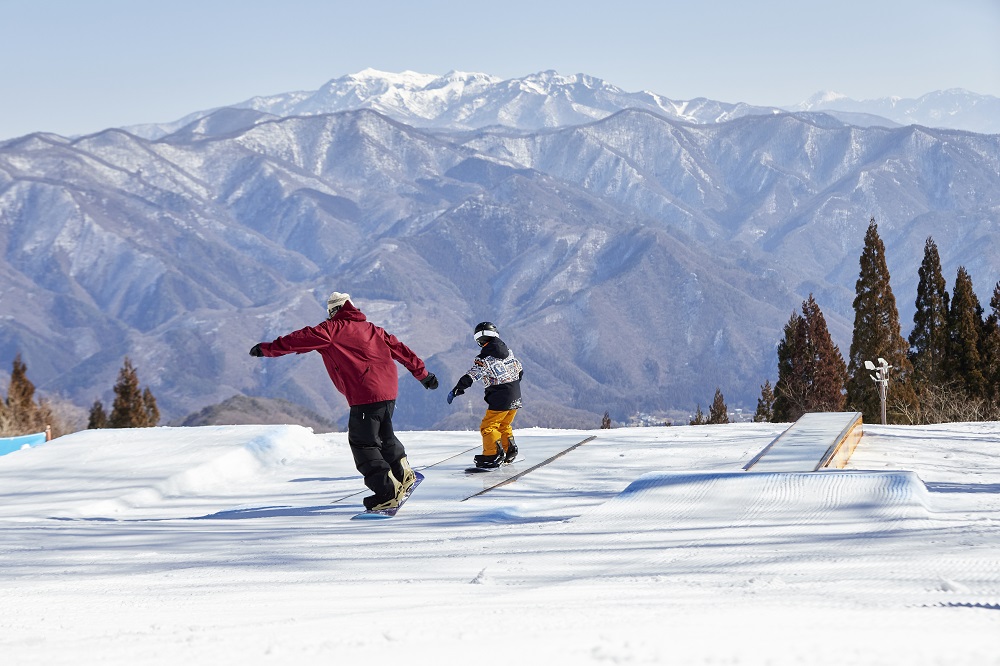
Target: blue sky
(77, 66)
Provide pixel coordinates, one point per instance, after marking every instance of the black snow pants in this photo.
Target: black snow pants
(375, 446)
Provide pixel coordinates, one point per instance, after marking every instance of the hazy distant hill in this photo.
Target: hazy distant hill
(949, 109)
(243, 410)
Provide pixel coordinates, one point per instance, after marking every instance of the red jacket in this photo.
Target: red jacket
(358, 355)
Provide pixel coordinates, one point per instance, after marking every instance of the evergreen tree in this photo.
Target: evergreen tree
(132, 408)
(877, 335)
(6, 422)
(790, 389)
(21, 414)
(20, 402)
(811, 370)
(826, 373)
(718, 412)
(965, 323)
(765, 404)
(98, 417)
(991, 349)
(606, 421)
(152, 412)
(699, 417)
(929, 337)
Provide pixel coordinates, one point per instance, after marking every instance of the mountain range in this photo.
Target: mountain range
(949, 109)
(464, 100)
(636, 253)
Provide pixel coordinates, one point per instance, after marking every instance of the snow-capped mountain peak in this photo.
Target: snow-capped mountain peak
(405, 79)
(472, 100)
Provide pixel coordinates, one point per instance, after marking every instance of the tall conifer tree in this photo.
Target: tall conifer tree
(98, 418)
(828, 373)
(929, 337)
(990, 344)
(20, 395)
(790, 389)
(765, 404)
(149, 408)
(877, 335)
(811, 370)
(965, 322)
(718, 412)
(22, 415)
(132, 408)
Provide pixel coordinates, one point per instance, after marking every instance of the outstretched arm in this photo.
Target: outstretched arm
(464, 382)
(405, 356)
(301, 341)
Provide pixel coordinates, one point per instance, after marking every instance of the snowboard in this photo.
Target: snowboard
(378, 514)
(481, 470)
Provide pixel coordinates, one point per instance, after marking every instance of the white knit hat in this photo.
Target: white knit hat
(335, 302)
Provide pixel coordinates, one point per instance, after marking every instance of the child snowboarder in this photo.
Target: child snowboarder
(359, 358)
(501, 372)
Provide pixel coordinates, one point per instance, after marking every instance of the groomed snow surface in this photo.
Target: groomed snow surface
(234, 545)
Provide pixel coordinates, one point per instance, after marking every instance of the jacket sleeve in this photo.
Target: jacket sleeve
(301, 341)
(464, 382)
(405, 356)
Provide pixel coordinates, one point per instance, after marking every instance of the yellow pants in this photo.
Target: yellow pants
(496, 429)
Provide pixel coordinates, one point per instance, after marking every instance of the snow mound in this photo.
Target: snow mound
(840, 501)
(159, 473)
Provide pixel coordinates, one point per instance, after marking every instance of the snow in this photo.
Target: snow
(406, 80)
(234, 545)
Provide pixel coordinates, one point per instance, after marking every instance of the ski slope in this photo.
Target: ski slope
(234, 545)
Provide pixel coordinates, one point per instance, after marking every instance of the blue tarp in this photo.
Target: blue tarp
(11, 444)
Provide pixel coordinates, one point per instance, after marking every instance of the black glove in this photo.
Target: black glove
(430, 381)
(255, 351)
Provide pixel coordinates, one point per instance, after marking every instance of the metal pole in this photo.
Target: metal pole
(881, 379)
(882, 386)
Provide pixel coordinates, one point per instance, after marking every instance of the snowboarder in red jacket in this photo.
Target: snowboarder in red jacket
(359, 358)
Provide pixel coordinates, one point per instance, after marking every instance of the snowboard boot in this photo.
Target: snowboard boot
(387, 501)
(511, 453)
(401, 470)
(489, 462)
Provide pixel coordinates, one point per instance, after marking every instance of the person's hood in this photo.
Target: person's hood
(348, 312)
(496, 348)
